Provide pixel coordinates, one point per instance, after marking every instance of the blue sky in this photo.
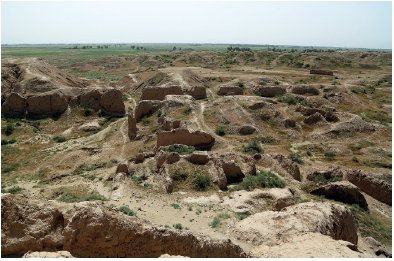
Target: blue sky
(336, 24)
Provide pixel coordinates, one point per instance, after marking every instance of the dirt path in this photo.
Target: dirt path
(135, 104)
(125, 138)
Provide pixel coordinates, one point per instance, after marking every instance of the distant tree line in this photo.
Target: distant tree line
(231, 49)
(138, 47)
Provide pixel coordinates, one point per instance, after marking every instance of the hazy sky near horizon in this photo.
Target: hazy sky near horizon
(335, 24)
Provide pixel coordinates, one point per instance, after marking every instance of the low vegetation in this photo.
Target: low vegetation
(295, 157)
(180, 150)
(253, 147)
(221, 131)
(127, 211)
(215, 222)
(261, 180)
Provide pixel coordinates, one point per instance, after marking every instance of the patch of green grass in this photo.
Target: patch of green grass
(330, 155)
(215, 222)
(240, 84)
(176, 206)
(9, 167)
(262, 179)
(181, 150)
(12, 190)
(369, 226)
(356, 147)
(221, 131)
(355, 159)
(127, 211)
(146, 121)
(223, 215)
(158, 114)
(287, 99)
(198, 211)
(241, 216)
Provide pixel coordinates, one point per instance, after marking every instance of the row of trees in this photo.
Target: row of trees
(238, 49)
(101, 47)
(138, 48)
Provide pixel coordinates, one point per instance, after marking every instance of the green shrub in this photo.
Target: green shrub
(240, 84)
(309, 153)
(88, 112)
(13, 140)
(59, 139)
(179, 175)
(187, 110)
(10, 167)
(262, 179)
(267, 139)
(181, 150)
(190, 208)
(295, 157)
(355, 159)
(146, 121)
(176, 206)
(262, 83)
(220, 131)
(253, 147)
(12, 190)
(198, 211)
(127, 211)
(35, 130)
(330, 155)
(215, 222)
(4, 142)
(241, 216)
(159, 112)
(9, 129)
(178, 226)
(167, 226)
(201, 182)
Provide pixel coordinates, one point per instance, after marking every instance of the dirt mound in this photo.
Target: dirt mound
(343, 191)
(198, 139)
(158, 79)
(253, 201)
(230, 90)
(57, 254)
(39, 89)
(87, 229)
(229, 168)
(331, 172)
(159, 93)
(271, 227)
(283, 165)
(309, 245)
(268, 91)
(192, 78)
(370, 184)
(355, 124)
(303, 90)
